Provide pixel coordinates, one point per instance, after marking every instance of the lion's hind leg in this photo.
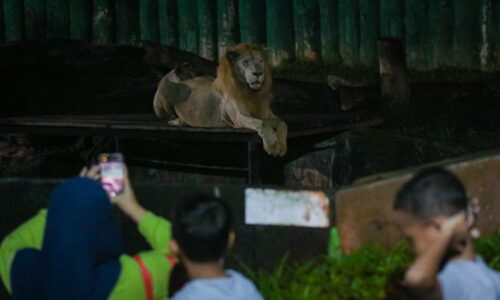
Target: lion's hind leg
(167, 96)
(176, 122)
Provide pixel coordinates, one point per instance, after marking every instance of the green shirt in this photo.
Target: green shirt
(156, 230)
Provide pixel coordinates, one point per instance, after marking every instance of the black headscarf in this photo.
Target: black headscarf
(81, 247)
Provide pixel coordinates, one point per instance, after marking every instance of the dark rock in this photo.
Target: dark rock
(354, 154)
(66, 77)
(42, 77)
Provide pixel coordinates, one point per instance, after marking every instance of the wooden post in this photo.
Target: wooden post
(440, 29)
(58, 23)
(392, 18)
(169, 21)
(306, 23)
(395, 88)
(34, 18)
(207, 27)
(14, 19)
(127, 21)
(329, 30)
(252, 22)
(466, 33)
(188, 26)
(280, 34)
(349, 31)
(417, 33)
(148, 20)
(103, 31)
(227, 24)
(81, 19)
(369, 31)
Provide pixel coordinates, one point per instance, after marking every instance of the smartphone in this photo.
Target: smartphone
(112, 173)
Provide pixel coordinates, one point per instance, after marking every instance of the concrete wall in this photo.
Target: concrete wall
(364, 211)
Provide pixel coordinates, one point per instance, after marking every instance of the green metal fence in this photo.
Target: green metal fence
(437, 33)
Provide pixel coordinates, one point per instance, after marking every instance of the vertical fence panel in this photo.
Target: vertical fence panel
(207, 24)
(496, 18)
(188, 26)
(391, 18)
(227, 24)
(127, 21)
(441, 23)
(252, 21)
(81, 19)
(349, 31)
(369, 31)
(58, 23)
(486, 22)
(34, 19)
(417, 49)
(103, 29)
(462, 33)
(329, 30)
(148, 20)
(2, 27)
(279, 30)
(168, 20)
(466, 33)
(14, 19)
(306, 25)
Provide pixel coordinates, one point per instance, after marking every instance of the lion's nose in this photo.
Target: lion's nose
(257, 74)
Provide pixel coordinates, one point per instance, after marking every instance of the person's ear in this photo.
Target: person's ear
(174, 248)
(434, 225)
(473, 211)
(231, 240)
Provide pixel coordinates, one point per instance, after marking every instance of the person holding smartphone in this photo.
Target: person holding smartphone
(74, 249)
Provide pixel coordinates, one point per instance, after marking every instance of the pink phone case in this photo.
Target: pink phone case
(112, 173)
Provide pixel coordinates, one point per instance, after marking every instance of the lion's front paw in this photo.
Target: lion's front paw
(282, 134)
(282, 147)
(272, 148)
(273, 143)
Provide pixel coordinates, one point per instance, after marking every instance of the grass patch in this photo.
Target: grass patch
(365, 274)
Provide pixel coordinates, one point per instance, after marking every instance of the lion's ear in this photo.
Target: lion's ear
(232, 55)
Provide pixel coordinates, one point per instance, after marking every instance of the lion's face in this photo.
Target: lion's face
(249, 67)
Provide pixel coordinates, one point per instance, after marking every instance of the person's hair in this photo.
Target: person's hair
(431, 193)
(201, 227)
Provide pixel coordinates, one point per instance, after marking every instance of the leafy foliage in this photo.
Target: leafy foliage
(369, 273)
(489, 249)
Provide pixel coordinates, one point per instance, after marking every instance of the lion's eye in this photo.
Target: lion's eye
(246, 62)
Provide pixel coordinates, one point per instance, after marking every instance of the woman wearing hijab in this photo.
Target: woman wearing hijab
(74, 250)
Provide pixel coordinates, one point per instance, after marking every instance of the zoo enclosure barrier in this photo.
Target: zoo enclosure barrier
(436, 33)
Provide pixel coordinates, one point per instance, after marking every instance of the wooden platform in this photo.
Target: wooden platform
(130, 125)
(148, 127)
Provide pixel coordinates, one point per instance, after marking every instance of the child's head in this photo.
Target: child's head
(424, 203)
(202, 229)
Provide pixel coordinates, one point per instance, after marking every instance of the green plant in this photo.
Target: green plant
(489, 249)
(368, 273)
(361, 275)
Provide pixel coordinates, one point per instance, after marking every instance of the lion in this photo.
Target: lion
(239, 97)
